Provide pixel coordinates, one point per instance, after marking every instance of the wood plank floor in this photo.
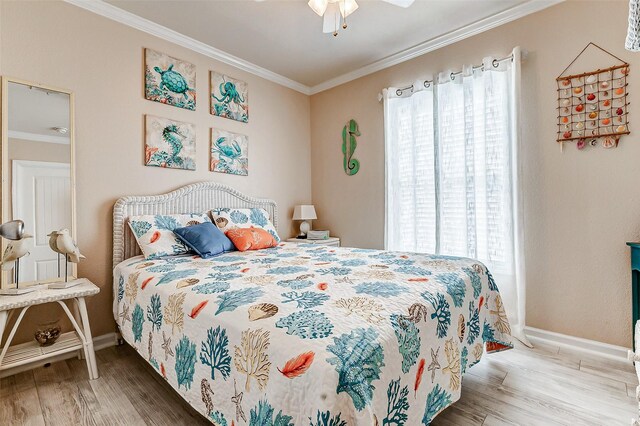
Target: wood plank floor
(543, 386)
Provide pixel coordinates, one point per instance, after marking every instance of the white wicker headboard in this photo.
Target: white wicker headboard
(195, 198)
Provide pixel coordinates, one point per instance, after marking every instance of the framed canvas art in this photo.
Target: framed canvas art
(169, 143)
(229, 97)
(229, 152)
(169, 80)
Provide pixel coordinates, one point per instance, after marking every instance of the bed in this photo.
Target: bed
(302, 334)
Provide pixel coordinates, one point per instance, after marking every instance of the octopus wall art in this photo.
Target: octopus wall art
(229, 97)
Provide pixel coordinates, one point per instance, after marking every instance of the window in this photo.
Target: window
(451, 154)
(449, 169)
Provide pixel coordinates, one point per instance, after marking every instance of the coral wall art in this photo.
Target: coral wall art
(169, 80)
(169, 143)
(229, 152)
(229, 97)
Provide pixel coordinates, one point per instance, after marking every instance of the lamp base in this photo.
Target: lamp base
(304, 228)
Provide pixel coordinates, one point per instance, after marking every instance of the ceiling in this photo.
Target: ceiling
(33, 113)
(285, 36)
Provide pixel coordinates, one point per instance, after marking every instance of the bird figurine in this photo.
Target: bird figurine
(66, 246)
(53, 245)
(12, 254)
(53, 241)
(12, 230)
(14, 251)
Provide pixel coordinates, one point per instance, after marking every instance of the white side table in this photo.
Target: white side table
(331, 241)
(80, 339)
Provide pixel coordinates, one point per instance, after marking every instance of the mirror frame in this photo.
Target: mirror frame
(5, 191)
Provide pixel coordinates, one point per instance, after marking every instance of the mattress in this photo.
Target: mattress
(303, 334)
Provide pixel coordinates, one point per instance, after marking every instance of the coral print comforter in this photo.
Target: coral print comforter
(307, 335)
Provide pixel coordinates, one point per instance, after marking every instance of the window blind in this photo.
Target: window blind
(449, 170)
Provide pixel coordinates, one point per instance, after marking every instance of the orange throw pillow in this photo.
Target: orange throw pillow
(251, 238)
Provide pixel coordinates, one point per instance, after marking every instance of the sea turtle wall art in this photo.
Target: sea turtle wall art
(169, 80)
(169, 143)
(229, 152)
(229, 97)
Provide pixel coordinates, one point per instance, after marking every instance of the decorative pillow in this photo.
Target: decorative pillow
(251, 238)
(205, 239)
(227, 219)
(155, 236)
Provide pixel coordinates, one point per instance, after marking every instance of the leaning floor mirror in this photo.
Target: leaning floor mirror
(38, 185)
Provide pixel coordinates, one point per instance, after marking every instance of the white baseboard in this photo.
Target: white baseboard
(105, 341)
(591, 347)
(99, 342)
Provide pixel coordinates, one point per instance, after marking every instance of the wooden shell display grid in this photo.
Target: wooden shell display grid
(593, 107)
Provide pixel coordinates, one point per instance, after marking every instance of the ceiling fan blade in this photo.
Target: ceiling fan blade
(331, 20)
(401, 3)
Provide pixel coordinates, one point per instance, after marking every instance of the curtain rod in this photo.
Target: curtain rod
(427, 83)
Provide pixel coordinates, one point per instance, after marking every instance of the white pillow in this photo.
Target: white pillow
(226, 219)
(154, 233)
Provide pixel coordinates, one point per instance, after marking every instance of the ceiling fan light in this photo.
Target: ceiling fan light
(347, 7)
(318, 6)
(331, 20)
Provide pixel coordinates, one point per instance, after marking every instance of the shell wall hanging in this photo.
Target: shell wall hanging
(592, 106)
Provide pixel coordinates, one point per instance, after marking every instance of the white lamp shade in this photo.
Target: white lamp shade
(304, 212)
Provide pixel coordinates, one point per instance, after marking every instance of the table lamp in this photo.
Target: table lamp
(304, 213)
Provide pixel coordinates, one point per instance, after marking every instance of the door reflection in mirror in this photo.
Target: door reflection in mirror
(39, 151)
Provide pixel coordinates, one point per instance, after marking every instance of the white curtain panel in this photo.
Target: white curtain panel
(632, 41)
(452, 173)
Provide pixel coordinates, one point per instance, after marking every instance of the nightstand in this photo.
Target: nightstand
(331, 241)
(78, 340)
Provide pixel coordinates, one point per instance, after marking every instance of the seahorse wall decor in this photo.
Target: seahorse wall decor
(349, 133)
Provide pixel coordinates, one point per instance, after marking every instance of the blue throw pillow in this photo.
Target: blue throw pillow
(205, 239)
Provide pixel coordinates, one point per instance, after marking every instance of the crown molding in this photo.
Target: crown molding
(114, 13)
(37, 137)
(134, 21)
(516, 12)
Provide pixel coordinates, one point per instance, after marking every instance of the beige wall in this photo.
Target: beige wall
(580, 207)
(102, 62)
(20, 149)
